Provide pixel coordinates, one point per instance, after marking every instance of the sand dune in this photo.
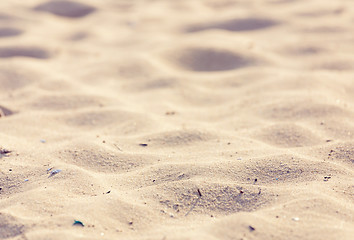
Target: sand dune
(218, 119)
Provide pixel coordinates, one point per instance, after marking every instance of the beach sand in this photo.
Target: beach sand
(188, 119)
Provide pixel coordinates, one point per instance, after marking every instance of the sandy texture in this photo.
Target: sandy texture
(186, 119)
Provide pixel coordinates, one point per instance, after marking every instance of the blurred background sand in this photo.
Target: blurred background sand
(188, 119)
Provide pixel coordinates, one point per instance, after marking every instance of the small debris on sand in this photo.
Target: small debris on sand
(78, 223)
(4, 152)
(55, 171)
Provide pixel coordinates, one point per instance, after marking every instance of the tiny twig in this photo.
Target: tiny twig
(117, 147)
(200, 195)
(195, 203)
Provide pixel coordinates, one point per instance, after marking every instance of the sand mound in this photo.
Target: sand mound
(218, 119)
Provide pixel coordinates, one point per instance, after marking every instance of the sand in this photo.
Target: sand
(188, 119)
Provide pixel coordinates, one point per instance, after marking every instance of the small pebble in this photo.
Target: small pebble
(295, 219)
(43, 141)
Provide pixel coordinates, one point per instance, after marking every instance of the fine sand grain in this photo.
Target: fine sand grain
(185, 119)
